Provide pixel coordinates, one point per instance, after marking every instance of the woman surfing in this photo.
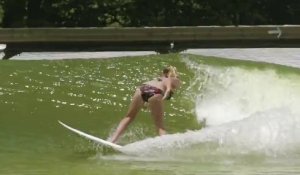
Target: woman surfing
(153, 92)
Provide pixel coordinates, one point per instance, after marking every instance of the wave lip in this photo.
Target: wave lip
(271, 133)
(247, 111)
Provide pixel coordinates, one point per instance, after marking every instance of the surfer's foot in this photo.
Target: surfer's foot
(162, 132)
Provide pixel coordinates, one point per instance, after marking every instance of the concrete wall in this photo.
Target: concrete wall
(153, 34)
(160, 39)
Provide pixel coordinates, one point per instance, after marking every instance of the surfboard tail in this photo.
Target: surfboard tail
(91, 137)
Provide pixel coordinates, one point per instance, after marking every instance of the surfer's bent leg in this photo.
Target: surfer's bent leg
(156, 108)
(134, 107)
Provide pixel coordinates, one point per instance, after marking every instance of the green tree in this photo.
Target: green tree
(283, 11)
(1, 11)
(35, 14)
(81, 13)
(14, 13)
(135, 13)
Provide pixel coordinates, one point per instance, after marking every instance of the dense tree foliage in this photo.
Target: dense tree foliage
(100, 13)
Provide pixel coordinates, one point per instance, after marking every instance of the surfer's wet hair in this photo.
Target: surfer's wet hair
(166, 71)
(170, 71)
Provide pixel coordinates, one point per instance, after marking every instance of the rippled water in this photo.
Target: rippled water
(250, 110)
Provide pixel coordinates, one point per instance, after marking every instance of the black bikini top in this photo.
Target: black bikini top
(170, 95)
(171, 92)
(158, 79)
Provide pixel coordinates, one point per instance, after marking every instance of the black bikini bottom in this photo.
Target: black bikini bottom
(148, 91)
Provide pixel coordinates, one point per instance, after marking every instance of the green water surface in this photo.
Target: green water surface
(92, 95)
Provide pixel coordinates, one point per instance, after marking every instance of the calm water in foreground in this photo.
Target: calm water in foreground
(251, 111)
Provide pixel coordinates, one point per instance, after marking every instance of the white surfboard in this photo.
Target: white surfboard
(93, 138)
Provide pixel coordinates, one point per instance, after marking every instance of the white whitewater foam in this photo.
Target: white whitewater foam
(233, 93)
(2, 46)
(274, 132)
(246, 110)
